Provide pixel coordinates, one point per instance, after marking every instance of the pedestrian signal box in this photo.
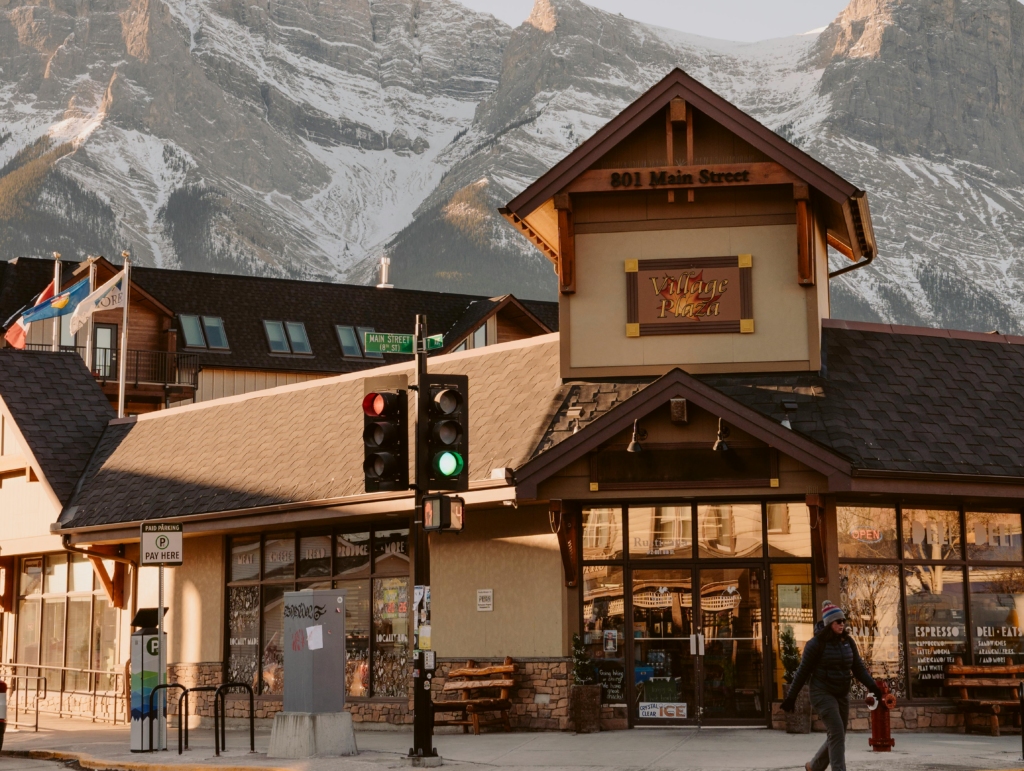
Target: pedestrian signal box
(443, 512)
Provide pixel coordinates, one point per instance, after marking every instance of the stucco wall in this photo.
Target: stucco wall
(513, 552)
(598, 309)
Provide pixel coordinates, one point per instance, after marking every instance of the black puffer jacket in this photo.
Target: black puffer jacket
(829, 660)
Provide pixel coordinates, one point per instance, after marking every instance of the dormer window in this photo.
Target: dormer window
(480, 336)
(203, 332)
(216, 337)
(349, 343)
(362, 340)
(193, 331)
(287, 337)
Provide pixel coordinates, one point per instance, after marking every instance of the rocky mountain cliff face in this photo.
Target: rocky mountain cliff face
(302, 138)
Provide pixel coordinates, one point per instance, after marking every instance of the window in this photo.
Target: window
(192, 330)
(993, 536)
(480, 336)
(792, 614)
(660, 531)
(931, 534)
(215, 332)
(297, 337)
(276, 338)
(349, 344)
(729, 530)
(461, 346)
(996, 594)
(65, 621)
(866, 532)
(371, 564)
(604, 618)
(870, 597)
(936, 628)
(602, 534)
(362, 338)
(789, 530)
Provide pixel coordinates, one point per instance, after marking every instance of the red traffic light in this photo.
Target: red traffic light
(380, 405)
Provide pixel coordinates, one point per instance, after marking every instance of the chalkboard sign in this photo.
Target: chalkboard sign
(613, 681)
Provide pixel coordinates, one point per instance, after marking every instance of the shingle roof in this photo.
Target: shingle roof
(301, 443)
(59, 409)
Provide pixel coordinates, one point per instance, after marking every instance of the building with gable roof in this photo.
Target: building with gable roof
(681, 475)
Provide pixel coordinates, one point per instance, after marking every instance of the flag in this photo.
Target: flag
(110, 295)
(60, 304)
(17, 332)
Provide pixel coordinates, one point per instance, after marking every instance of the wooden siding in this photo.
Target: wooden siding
(218, 383)
(510, 329)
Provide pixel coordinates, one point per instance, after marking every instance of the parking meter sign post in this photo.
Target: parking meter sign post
(160, 544)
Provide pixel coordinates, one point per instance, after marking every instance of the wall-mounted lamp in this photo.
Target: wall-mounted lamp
(723, 434)
(634, 444)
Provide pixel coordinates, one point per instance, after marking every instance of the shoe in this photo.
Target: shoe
(807, 767)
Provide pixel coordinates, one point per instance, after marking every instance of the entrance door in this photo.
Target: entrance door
(665, 669)
(732, 661)
(698, 657)
(104, 357)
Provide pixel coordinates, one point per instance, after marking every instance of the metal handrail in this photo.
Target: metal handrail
(220, 694)
(115, 692)
(17, 690)
(152, 693)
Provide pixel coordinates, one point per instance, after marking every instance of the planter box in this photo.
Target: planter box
(585, 708)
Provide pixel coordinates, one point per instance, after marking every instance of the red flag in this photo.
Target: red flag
(15, 336)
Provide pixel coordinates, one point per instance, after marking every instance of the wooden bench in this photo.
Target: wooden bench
(476, 686)
(987, 677)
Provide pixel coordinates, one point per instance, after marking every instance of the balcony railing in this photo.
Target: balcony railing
(161, 368)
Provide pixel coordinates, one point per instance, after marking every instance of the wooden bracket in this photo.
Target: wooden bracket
(819, 541)
(804, 243)
(563, 522)
(6, 584)
(113, 586)
(566, 266)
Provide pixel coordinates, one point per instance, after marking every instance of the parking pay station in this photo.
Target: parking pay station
(145, 676)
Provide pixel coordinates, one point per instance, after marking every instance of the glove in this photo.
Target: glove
(788, 704)
(877, 693)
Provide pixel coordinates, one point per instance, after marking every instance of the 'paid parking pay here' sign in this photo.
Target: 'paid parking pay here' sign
(161, 544)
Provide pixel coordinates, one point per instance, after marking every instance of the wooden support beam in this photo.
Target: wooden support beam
(670, 155)
(689, 144)
(113, 585)
(840, 247)
(566, 252)
(7, 584)
(819, 537)
(9, 463)
(101, 573)
(801, 192)
(804, 243)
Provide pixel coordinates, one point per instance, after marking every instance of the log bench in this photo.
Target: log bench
(476, 687)
(1002, 678)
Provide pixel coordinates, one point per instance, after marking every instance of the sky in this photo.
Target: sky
(745, 20)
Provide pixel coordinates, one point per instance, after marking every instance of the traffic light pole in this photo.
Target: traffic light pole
(423, 718)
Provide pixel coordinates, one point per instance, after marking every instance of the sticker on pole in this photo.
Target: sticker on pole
(161, 544)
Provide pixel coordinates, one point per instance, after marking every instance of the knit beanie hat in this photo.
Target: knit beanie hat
(830, 613)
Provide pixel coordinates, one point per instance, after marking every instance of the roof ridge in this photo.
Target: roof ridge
(899, 329)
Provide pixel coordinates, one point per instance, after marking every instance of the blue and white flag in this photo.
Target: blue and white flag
(59, 305)
(109, 296)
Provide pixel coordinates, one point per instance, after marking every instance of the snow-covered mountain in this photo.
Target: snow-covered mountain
(306, 137)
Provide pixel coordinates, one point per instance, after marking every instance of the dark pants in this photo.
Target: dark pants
(833, 711)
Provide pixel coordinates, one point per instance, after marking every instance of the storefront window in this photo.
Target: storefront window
(866, 532)
(936, 625)
(360, 562)
(792, 615)
(993, 536)
(661, 532)
(60, 628)
(789, 530)
(931, 534)
(729, 530)
(604, 628)
(870, 597)
(997, 614)
(602, 533)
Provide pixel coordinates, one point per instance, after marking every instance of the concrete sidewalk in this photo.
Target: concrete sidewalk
(99, 746)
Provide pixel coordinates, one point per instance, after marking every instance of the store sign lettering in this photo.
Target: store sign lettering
(1000, 631)
(661, 178)
(244, 641)
(394, 548)
(280, 557)
(662, 710)
(245, 559)
(936, 631)
(314, 554)
(865, 534)
(352, 550)
(659, 546)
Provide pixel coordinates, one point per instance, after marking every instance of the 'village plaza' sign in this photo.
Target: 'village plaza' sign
(667, 177)
(701, 295)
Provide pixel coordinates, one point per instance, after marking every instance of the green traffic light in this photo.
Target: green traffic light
(448, 464)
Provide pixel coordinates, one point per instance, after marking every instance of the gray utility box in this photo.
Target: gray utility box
(314, 650)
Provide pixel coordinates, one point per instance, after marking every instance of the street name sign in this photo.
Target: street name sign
(385, 342)
(161, 544)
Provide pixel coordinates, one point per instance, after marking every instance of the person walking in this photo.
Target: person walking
(830, 657)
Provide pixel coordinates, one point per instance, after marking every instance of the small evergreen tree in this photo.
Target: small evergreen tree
(790, 653)
(583, 670)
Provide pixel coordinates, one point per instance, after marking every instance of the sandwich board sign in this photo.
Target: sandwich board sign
(161, 544)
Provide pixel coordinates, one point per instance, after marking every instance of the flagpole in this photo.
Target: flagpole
(123, 355)
(56, 291)
(89, 327)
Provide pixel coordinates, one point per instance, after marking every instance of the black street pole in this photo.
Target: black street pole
(423, 719)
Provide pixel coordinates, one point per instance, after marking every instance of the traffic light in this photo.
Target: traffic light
(443, 512)
(444, 454)
(385, 441)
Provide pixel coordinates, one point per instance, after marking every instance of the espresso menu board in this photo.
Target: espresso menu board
(613, 681)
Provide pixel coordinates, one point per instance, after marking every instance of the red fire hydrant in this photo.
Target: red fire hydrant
(881, 734)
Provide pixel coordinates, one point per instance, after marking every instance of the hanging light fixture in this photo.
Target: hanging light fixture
(723, 434)
(634, 444)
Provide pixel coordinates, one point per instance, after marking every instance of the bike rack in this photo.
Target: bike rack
(199, 689)
(219, 697)
(151, 720)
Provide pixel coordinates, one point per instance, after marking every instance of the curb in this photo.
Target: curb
(94, 764)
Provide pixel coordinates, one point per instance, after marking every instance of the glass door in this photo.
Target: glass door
(665, 664)
(731, 628)
(104, 357)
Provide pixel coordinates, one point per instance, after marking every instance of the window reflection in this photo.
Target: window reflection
(866, 531)
(602, 533)
(936, 626)
(604, 629)
(661, 531)
(997, 614)
(729, 530)
(792, 614)
(870, 597)
(993, 536)
(931, 534)
(789, 530)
